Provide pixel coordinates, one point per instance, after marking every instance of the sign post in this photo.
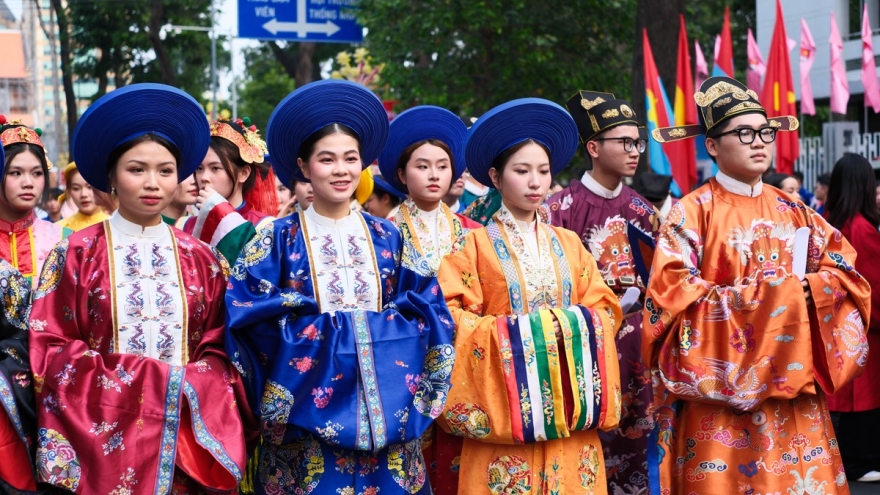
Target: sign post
(322, 21)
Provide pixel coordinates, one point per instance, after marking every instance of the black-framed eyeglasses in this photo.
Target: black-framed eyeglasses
(747, 135)
(628, 143)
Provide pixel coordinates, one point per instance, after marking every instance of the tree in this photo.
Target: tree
(266, 83)
(470, 56)
(704, 20)
(274, 69)
(127, 40)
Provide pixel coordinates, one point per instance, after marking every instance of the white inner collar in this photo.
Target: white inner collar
(598, 189)
(739, 188)
(135, 230)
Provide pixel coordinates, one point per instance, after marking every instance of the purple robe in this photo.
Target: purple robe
(601, 224)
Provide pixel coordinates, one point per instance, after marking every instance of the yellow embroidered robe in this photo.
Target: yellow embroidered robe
(526, 408)
(741, 363)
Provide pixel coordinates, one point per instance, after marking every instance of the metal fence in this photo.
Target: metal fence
(815, 161)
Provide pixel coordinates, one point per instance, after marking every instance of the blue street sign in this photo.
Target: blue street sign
(327, 21)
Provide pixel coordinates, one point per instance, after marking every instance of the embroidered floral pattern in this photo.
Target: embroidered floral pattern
(741, 339)
(407, 466)
(274, 411)
(127, 486)
(588, 469)
(114, 443)
(467, 420)
(322, 396)
(433, 388)
(509, 475)
(57, 463)
(294, 467)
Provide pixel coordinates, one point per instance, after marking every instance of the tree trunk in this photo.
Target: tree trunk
(103, 75)
(660, 18)
(290, 65)
(156, 12)
(66, 71)
(304, 65)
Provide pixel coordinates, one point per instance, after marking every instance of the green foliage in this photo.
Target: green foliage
(704, 20)
(470, 55)
(111, 43)
(266, 83)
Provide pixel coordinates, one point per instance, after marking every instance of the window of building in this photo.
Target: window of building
(856, 7)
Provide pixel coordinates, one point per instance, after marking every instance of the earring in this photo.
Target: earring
(112, 190)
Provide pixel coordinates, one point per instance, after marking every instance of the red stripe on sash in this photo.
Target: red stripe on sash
(509, 372)
(215, 216)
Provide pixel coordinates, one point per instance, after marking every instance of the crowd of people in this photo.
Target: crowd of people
(362, 308)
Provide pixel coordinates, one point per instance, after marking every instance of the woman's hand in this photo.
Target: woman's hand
(287, 208)
(204, 193)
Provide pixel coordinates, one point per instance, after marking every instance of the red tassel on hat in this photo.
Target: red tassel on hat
(263, 197)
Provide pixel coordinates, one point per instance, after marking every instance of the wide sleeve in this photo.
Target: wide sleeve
(841, 307)
(215, 419)
(220, 226)
(359, 379)
(91, 405)
(17, 413)
(509, 383)
(16, 387)
(736, 345)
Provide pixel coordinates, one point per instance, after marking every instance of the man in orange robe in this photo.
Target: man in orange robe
(743, 349)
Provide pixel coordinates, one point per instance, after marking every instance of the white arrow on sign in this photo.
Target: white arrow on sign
(301, 27)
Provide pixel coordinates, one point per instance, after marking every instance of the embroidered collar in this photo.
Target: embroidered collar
(739, 188)
(135, 230)
(432, 231)
(19, 225)
(329, 222)
(598, 189)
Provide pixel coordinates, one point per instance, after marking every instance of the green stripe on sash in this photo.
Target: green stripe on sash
(576, 353)
(538, 334)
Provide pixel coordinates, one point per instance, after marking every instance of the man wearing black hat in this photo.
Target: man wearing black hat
(754, 313)
(599, 207)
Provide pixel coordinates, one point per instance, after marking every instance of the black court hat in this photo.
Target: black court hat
(595, 113)
(718, 100)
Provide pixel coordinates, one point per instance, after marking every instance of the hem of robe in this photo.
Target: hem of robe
(199, 454)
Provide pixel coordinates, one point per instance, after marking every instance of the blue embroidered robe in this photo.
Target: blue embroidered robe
(342, 396)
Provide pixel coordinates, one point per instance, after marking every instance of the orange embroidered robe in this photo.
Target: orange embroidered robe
(527, 405)
(741, 362)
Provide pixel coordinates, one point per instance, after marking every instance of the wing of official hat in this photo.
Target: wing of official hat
(718, 100)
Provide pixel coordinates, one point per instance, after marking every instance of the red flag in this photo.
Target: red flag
(724, 57)
(683, 154)
(778, 95)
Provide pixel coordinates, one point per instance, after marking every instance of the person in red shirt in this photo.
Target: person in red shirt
(851, 207)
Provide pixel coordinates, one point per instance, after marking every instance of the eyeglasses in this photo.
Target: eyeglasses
(628, 143)
(747, 135)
